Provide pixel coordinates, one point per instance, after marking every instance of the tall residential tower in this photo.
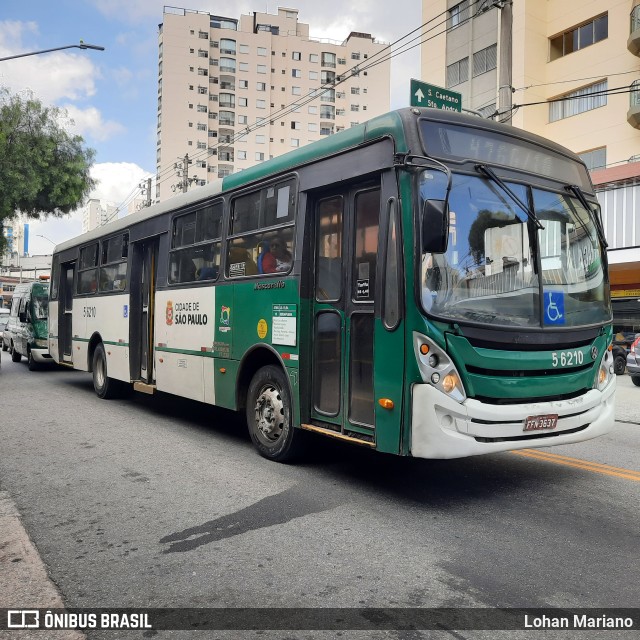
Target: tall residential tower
(220, 77)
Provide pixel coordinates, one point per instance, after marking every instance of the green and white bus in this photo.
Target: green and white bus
(427, 284)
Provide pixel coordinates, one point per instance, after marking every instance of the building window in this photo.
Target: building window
(295, 142)
(259, 156)
(327, 112)
(595, 159)
(242, 102)
(296, 91)
(312, 126)
(313, 57)
(242, 120)
(458, 72)
(262, 51)
(228, 46)
(243, 48)
(243, 84)
(262, 68)
(260, 139)
(241, 155)
(228, 65)
(261, 104)
(296, 55)
(579, 37)
(244, 66)
(485, 60)
(355, 107)
(355, 91)
(313, 109)
(458, 14)
(328, 59)
(579, 101)
(296, 73)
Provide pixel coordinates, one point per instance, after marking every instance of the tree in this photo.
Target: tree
(43, 169)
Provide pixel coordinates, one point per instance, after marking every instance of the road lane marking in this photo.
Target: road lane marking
(585, 465)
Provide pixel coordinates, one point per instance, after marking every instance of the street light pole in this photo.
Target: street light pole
(82, 45)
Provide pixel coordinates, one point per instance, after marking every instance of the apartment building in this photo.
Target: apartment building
(96, 213)
(568, 70)
(219, 77)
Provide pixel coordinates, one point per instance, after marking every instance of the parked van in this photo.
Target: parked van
(26, 333)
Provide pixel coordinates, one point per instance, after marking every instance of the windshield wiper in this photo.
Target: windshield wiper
(578, 193)
(487, 171)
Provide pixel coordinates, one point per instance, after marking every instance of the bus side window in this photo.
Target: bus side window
(262, 231)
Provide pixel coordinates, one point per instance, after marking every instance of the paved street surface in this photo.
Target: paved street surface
(161, 502)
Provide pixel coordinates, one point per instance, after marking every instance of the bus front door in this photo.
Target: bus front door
(346, 247)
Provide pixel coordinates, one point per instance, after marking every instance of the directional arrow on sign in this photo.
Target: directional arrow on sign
(418, 94)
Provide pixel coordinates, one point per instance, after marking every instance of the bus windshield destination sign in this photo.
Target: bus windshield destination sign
(429, 95)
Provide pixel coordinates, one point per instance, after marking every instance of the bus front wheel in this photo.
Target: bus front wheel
(269, 416)
(104, 386)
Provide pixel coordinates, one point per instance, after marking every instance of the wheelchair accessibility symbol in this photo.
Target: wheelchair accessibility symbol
(553, 307)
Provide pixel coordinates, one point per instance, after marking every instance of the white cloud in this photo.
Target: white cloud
(89, 122)
(117, 183)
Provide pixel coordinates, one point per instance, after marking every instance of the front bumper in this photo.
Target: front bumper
(444, 428)
(40, 355)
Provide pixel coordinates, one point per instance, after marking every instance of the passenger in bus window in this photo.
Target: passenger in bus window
(264, 251)
(279, 258)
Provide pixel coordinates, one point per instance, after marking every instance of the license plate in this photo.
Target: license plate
(539, 423)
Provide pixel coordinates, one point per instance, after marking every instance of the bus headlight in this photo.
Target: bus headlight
(436, 368)
(605, 371)
(42, 343)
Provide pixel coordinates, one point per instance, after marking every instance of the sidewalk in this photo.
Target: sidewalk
(24, 582)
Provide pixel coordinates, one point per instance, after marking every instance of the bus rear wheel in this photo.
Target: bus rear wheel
(269, 416)
(105, 387)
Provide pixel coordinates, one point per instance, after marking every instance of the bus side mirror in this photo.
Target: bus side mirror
(435, 226)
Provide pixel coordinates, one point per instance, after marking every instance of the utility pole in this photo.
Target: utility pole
(505, 68)
(182, 171)
(145, 189)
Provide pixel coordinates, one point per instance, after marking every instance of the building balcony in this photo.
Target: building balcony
(633, 43)
(633, 115)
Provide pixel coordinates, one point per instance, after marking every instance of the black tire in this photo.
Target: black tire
(105, 387)
(636, 380)
(4, 346)
(31, 363)
(15, 356)
(269, 416)
(619, 365)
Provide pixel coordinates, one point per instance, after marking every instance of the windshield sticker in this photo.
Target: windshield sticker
(553, 307)
(237, 269)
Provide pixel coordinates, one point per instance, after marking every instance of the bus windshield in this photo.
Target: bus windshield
(501, 269)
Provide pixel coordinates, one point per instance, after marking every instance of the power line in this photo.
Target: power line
(546, 84)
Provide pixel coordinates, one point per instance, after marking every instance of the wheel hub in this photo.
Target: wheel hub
(269, 413)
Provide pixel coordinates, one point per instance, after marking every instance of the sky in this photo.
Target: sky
(111, 95)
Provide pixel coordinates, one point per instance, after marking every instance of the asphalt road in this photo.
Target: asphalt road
(161, 502)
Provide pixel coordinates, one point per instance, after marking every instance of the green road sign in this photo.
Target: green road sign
(428, 95)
